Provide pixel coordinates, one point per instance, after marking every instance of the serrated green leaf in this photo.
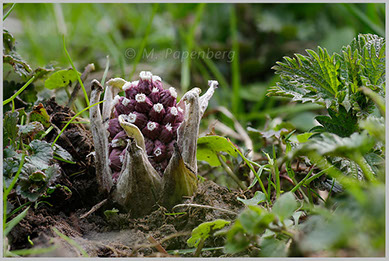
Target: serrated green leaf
(328, 144)
(285, 206)
(375, 127)
(341, 123)
(205, 230)
(31, 129)
(209, 146)
(41, 154)
(61, 79)
(20, 66)
(64, 154)
(334, 80)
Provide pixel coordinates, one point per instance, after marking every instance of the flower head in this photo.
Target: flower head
(146, 142)
(154, 111)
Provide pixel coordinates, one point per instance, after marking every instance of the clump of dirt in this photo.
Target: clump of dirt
(118, 235)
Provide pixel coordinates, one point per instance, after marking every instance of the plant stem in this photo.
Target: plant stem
(252, 169)
(19, 91)
(75, 70)
(235, 97)
(276, 174)
(8, 190)
(368, 172)
(302, 181)
(231, 173)
(75, 116)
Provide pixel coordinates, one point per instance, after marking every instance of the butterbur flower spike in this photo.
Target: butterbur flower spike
(146, 142)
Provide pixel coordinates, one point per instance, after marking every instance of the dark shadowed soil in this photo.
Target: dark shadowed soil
(117, 235)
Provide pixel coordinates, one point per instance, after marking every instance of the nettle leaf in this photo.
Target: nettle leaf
(208, 148)
(61, 79)
(341, 123)
(258, 198)
(205, 230)
(308, 78)
(371, 48)
(375, 127)
(41, 154)
(335, 80)
(285, 206)
(329, 144)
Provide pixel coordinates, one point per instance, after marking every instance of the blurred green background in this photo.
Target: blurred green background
(155, 37)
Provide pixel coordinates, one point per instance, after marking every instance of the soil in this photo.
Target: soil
(118, 234)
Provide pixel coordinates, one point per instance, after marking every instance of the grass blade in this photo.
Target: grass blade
(75, 70)
(71, 242)
(235, 97)
(14, 221)
(9, 11)
(75, 116)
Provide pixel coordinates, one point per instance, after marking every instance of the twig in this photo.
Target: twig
(179, 234)
(94, 208)
(158, 246)
(205, 206)
(89, 68)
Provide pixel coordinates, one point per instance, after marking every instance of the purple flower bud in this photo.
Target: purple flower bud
(139, 119)
(149, 144)
(154, 95)
(157, 82)
(170, 149)
(143, 103)
(131, 89)
(170, 116)
(166, 135)
(114, 127)
(175, 127)
(159, 152)
(123, 105)
(151, 130)
(145, 85)
(157, 113)
(114, 159)
(168, 97)
(120, 140)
